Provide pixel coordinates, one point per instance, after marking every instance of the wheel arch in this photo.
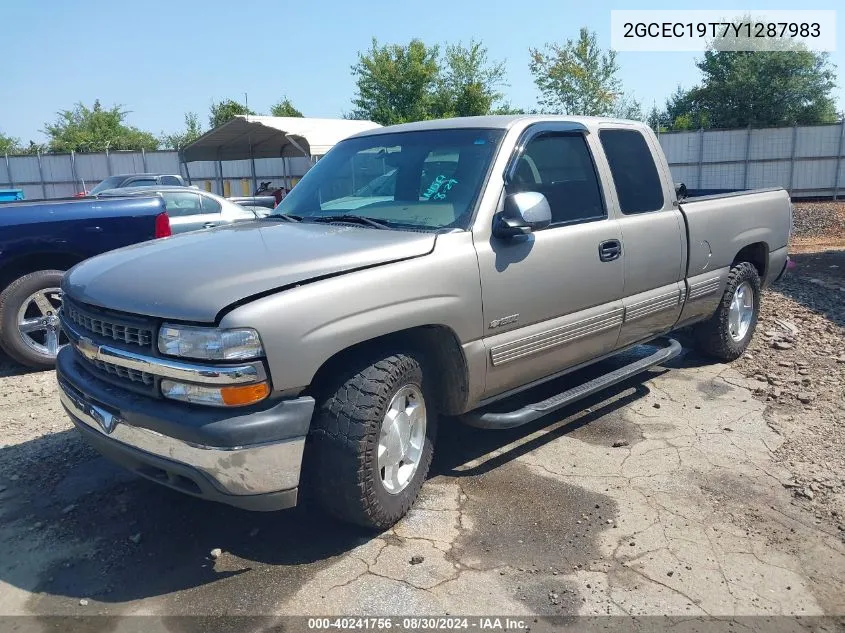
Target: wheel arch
(437, 347)
(756, 254)
(21, 265)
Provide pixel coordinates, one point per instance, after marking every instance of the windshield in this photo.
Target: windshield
(112, 182)
(426, 180)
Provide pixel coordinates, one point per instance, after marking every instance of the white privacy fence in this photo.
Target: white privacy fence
(806, 160)
(61, 175)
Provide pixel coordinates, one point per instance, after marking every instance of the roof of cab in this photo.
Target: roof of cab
(494, 122)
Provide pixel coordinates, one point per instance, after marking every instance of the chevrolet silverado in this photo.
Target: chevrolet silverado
(319, 347)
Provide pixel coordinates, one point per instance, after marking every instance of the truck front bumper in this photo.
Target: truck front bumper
(249, 458)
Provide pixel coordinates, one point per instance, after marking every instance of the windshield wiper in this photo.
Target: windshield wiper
(284, 216)
(348, 217)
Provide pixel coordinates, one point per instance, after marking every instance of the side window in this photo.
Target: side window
(143, 182)
(170, 180)
(633, 169)
(179, 204)
(561, 168)
(209, 205)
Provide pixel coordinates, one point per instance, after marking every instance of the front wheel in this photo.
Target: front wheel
(728, 332)
(29, 319)
(372, 440)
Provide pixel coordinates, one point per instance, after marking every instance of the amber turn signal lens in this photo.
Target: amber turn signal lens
(244, 394)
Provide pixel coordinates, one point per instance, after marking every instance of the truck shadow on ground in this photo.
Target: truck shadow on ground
(115, 538)
(815, 283)
(8, 367)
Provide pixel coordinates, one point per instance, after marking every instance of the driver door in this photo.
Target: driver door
(553, 298)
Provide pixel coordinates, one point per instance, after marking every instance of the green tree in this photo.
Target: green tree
(507, 108)
(9, 144)
(398, 83)
(96, 129)
(579, 78)
(34, 148)
(626, 107)
(225, 110)
(743, 85)
(468, 83)
(682, 112)
(761, 89)
(285, 108)
(395, 83)
(191, 132)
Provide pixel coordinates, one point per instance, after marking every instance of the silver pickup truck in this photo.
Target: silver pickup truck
(416, 272)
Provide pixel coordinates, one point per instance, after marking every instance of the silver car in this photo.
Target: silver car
(191, 209)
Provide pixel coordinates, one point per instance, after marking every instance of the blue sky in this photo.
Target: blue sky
(160, 59)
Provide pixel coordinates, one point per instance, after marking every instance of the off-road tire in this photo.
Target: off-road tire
(712, 337)
(11, 300)
(342, 452)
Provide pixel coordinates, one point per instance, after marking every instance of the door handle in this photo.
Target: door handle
(208, 225)
(610, 250)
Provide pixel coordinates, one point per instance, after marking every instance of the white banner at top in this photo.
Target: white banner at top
(661, 30)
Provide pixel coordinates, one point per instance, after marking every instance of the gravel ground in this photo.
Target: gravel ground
(797, 359)
(818, 225)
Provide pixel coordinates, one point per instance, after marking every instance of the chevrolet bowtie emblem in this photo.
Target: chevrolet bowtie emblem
(106, 420)
(87, 346)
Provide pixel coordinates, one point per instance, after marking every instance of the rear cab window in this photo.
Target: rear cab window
(635, 175)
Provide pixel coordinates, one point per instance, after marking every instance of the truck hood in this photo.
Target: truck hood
(192, 277)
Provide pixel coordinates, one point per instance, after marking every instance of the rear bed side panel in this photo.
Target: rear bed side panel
(777, 264)
(704, 292)
(718, 228)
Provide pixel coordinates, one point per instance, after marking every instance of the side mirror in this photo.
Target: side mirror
(680, 190)
(523, 213)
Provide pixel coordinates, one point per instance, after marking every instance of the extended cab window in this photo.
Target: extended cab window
(634, 173)
(170, 180)
(180, 204)
(560, 167)
(426, 179)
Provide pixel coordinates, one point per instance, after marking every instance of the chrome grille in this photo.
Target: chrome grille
(123, 372)
(102, 324)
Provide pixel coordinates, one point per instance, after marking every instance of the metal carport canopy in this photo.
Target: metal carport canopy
(246, 137)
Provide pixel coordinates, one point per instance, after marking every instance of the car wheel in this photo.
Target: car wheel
(371, 442)
(29, 323)
(728, 332)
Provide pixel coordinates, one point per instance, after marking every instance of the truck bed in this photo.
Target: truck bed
(719, 225)
(720, 228)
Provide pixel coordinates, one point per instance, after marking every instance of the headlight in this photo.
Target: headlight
(236, 396)
(209, 343)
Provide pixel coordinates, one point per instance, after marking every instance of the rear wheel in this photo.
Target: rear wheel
(29, 323)
(371, 442)
(728, 332)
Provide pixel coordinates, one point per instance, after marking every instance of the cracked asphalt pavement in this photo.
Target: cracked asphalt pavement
(659, 496)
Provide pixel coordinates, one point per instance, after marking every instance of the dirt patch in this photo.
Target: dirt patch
(797, 362)
(533, 538)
